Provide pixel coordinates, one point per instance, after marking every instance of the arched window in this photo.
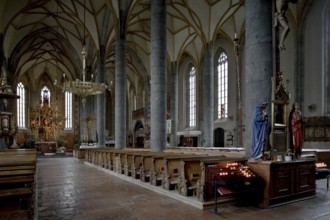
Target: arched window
(68, 110)
(192, 97)
(222, 85)
(21, 105)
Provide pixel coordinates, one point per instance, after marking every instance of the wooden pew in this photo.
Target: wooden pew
(171, 176)
(157, 170)
(122, 161)
(136, 165)
(108, 164)
(79, 153)
(17, 183)
(145, 168)
(117, 161)
(129, 161)
(153, 167)
(191, 173)
(132, 162)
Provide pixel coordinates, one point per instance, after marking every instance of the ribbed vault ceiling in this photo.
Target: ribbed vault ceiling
(50, 33)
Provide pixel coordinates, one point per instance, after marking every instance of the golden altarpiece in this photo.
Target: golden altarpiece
(46, 121)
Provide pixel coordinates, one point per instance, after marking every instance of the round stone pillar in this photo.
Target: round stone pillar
(158, 76)
(120, 94)
(208, 96)
(174, 104)
(101, 100)
(258, 61)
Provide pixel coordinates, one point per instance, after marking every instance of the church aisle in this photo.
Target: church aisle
(69, 189)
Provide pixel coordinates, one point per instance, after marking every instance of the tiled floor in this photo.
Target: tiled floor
(69, 189)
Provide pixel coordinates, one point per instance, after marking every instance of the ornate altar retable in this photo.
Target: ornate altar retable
(46, 122)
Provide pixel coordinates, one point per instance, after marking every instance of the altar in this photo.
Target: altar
(286, 181)
(46, 146)
(46, 121)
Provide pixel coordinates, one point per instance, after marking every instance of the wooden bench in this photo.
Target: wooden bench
(79, 153)
(123, 161)
(152, 166)
(129, 161)
(191, 171)
(136, 165)
(172, 176)
(15, 215)
(157, 170)
(146, 165)
(17, 183)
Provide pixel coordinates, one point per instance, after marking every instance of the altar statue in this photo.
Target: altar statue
(296, 130)
(259, 132)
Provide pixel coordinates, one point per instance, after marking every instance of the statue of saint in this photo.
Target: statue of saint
(259, 132)
(296, 130)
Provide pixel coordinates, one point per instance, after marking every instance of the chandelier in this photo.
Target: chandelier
(82, 87)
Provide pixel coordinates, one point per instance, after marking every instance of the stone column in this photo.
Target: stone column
(100, 106)
(258, 61)
(158, 76)
(120, 92)
(87, 110)
(174, 104)
(208, 96)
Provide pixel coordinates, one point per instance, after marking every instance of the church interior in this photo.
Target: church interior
(209, 102)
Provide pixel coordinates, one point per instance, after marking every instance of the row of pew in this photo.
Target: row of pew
(17, 183)
(172, 169)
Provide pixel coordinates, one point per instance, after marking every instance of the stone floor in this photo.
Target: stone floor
(69, 189)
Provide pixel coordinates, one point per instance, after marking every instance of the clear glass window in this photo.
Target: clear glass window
(222, 86)
(192, 97)
(21, 105)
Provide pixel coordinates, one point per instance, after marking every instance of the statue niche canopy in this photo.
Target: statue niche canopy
(279, 115)
(46, 121)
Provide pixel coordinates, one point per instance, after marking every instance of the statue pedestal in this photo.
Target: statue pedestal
(285, 181)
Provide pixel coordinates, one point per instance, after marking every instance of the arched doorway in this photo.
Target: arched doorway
(219, 137)
(138, 135)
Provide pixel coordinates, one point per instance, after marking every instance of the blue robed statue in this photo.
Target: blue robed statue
(259, 133)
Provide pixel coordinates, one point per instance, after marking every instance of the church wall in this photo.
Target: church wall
(314, 65)
(182, 98)
(314, 93)
(228, 124)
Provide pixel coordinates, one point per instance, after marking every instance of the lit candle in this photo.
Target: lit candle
(235, 35)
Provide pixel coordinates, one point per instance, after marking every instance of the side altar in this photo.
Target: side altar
(285, 181)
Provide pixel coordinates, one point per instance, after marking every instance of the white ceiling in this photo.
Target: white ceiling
(39, 34)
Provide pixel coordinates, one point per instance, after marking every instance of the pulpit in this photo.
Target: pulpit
(8, 126)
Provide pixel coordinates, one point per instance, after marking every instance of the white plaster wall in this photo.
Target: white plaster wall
(313, 65)
(229, 124)
(313, 88)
